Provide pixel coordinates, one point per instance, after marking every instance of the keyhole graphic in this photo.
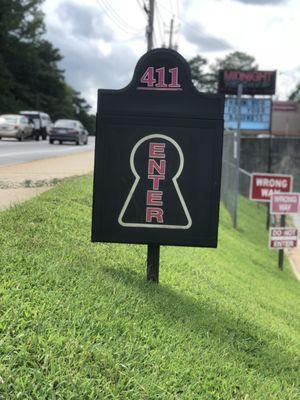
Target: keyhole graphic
(155, 199)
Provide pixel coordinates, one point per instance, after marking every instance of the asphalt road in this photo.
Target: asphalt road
(13, 152)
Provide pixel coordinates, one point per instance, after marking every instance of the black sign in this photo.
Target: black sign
(158, 158)
(254, 82)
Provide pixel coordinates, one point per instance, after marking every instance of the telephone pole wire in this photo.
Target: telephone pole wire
(171, 34)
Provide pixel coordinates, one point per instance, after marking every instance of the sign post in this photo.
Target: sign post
(158, 158)
(280, 253)
(153, 263)
(237, 145)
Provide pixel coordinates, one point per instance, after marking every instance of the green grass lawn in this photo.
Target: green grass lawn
(77, 320)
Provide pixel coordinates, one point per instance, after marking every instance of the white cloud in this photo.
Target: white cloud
(101, 44)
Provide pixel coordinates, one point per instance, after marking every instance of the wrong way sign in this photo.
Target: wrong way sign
(264, 185)
(285, 203)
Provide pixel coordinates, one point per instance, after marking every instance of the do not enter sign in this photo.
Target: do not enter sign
(158, 158)
(282, 238)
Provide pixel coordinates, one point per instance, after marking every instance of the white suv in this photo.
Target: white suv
(41, 123)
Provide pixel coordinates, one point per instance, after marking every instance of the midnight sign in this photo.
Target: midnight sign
(253, 82)
(158, 158)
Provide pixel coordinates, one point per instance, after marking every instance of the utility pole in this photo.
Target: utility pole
(149, 28)
(171, 34)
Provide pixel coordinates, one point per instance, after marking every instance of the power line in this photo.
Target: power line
(154, 40)
(142, 6)
(109, 6)
(114, 17)
(174, 31)
(171, 6)
(178, 8)
(191, 26)
(159, 22)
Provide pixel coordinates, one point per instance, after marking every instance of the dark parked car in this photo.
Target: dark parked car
(68, 130)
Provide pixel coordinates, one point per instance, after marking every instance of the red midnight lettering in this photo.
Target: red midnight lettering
(248, 76)
(230, 75)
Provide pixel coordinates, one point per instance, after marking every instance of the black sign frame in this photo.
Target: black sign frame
(178, 118)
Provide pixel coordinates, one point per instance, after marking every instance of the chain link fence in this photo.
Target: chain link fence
(235, 180)
(277, 155)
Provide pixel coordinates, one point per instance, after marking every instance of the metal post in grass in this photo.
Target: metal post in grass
(237, 142)
(153, 263)
(269, 169)
(280, 252)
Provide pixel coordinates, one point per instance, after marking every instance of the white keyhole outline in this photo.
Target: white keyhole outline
(174, 179)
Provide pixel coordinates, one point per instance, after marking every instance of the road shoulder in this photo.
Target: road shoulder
(20, 182)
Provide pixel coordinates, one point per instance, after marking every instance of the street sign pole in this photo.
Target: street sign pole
(237, 144)
(280, 253)
(153, 263)
(269, 167)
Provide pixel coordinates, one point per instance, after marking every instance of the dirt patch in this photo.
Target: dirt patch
(20, 182)
(12, 196)
(294, 259)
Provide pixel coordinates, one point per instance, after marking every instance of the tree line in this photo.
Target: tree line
(30, 78)
(205, 76)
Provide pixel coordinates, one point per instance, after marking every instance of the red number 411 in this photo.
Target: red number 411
(160, 82)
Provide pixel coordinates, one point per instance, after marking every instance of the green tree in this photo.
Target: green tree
(29, 74)
(201, 78)
(205, 76)
(236, 60)
(295, 95)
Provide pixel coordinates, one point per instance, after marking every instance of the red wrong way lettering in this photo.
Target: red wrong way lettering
(264, 185)
(283, 238)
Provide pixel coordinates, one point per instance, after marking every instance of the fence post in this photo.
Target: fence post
(237, 145)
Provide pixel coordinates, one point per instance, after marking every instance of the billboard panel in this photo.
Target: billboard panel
(255, 113)
(254, 82)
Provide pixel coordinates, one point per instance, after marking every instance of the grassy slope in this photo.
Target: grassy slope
(78, 321)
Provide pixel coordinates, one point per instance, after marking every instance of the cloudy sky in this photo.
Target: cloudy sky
(101, 40)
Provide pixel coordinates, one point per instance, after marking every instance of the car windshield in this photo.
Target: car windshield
(64, 123)
(10, 119)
